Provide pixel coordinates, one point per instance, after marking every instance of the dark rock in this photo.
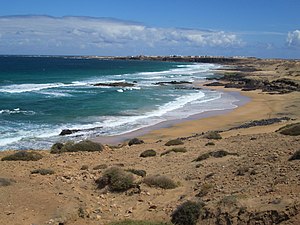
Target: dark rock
(263, 122)
(214, 84)
(173, 83)
(115, 84)
(67, 132)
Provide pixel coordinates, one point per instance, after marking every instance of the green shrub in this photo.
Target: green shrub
(42, 171)
(148, 153)
(176, 150)
(187, 213)
(100, 167)
(141, 173)
(295, 156)
(138, 222)
(116, 179)
(291, 129)
(160, 181)
(174, 142)
(23, 156)
(6, 182)
(213, 135)
(56, 148)
(135, 141)
(85, 145)
(209, 144)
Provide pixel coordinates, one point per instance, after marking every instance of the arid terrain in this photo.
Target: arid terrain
(247, 177)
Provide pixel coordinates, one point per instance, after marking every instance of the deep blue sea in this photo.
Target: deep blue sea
(40, 96)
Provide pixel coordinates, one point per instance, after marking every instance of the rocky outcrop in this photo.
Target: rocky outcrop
(279, 86)
(173, 83)
(68, 132)
(72, 131)
(263, 122)
(115, 84)
(240, 215)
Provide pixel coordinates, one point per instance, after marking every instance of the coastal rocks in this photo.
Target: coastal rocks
(214, 84)
(240, 81)
(263, 122)
(67, 132)
(115, 84)
(72, 131)
(173, 83)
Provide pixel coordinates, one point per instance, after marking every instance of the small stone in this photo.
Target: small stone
(98, 217)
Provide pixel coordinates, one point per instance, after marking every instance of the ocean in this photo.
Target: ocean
(41, 96)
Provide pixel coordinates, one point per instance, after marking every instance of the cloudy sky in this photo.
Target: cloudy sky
(261, 28)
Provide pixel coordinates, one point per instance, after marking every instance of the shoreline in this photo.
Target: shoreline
(146, 132)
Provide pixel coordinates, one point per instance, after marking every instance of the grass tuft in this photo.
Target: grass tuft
(290, 129)
(176, 150)
(6, 182)
(215, 154)
(148, 153)
(23, 156)
(210, 144)
(116, 179)
(141, 173)
(160, 181)
(174, 142)
(135, 141)
(213, 135)
(43, 171)
(86, 145)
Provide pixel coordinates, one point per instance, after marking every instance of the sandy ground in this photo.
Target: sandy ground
(257, 185)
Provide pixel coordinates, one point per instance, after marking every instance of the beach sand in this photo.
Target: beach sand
(256, 184)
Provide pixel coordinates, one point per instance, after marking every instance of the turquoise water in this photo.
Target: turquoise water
(40, 96)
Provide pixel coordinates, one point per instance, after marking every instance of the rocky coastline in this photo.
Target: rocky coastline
(243, 168)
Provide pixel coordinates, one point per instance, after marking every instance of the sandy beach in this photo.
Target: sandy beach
(255, 182)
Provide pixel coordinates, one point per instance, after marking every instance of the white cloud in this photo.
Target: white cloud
(44, 33)
(293, 38)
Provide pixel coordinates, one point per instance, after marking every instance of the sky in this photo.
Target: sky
(259, 28)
